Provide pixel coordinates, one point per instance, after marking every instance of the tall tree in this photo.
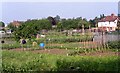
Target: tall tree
(10, 26)
(2, 24)
(59, 26)
(57, 18)
(118, 25)
(101, 16)
(83, 22)
(29, 29)
(52, 20)
(94, 22)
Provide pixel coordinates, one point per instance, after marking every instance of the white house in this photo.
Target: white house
(108, 23)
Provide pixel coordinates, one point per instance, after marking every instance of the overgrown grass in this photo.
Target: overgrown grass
(28, 61)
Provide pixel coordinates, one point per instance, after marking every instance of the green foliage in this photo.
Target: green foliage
(94, 22)
(12, 27)
(15, 45)
(75, 23)
(30, 28)
(65, 39)
(57, 18)
(88, 64)
(83, 22)
(52, 20)
(118, 25)
(2, 24)
(28, 61)
(114, 44)
(12, 44)
(59, 26)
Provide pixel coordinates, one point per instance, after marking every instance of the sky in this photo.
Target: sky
(59, 0)
(24, 10)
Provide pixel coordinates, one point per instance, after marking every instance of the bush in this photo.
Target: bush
(114, 45)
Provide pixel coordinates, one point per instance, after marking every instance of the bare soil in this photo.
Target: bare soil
(65, 52)
(101, 53)
(49, 51)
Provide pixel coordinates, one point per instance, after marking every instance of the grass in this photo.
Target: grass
(73, 45)
(15, 45)
(57, 37)
(28, 61)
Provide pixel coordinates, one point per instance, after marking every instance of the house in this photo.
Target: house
(16, 23)
(108, 23)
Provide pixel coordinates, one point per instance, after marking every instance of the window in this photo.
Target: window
(110, 28)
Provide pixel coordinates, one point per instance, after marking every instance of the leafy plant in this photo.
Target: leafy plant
(114, 45)
(28, 61)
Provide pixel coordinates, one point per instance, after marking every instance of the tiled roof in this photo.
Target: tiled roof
(16, 23)
(109, 18)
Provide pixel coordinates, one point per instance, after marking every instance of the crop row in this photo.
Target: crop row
(65, 39)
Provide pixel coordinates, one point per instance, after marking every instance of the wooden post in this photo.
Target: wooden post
(89, 29)
(83, 30)
(102, 37)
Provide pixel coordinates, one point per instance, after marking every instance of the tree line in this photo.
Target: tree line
(30, 28)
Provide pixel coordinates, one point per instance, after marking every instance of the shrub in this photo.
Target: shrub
(114, 45)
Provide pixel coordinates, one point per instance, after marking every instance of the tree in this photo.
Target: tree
(59, 26)
(75, 23)
(101, 16)
(83, 22)
(29, 29)
(2, 24)
(57, 18)
(94, 22)
(52, 20)
(68, 24)
(118, 24)
(10, 26)
(118, 15)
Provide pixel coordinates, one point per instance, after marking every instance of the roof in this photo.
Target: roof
(16, 23)
(109, 18)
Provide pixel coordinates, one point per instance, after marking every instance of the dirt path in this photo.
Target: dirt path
(53, 51)
(49, 51)
(101, 53)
